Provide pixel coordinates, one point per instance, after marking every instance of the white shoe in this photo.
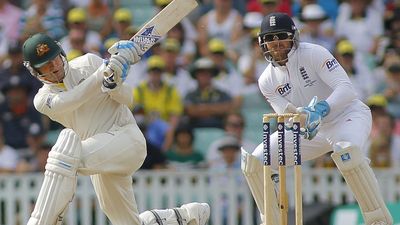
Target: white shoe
(200, 212)
(379, 223)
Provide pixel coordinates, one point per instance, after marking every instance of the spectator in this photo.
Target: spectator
(155, 158)
(43, 16)
(17, 114)
(122, 20)
(182, 156)
(317, 28)
(252, 64)
(29, 161)
(392, 89)
(160, 101)
(382, 133)
(188, 46)
(228, 78)
(354, 23)
(9, 19)
(175, 74)
(233, 125)
(359, 74)
(223, 22)
(15, 68)
(207, 105)
(252, 20)
(269, 6)
(229, 148)
(99, 18)
(77, 24)
(8, 155)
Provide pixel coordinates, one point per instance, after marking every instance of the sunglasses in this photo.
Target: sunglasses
(277, 36)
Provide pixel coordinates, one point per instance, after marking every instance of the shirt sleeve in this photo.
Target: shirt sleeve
(333, 74)
(122, 94)
(50, 103)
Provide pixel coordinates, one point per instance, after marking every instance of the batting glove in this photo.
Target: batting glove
(314, 113)
(127, 49)
(116, 71)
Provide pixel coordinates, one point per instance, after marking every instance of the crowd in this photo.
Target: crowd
(203, 74)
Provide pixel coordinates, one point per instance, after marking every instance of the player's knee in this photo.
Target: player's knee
(344, 145)
(64, 157)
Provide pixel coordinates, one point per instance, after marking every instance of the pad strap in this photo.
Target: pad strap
(158, 218)
(178, 217)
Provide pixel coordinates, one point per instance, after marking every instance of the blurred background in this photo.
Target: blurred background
(204, 102)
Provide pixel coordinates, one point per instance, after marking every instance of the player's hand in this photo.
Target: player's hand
(116, 71)
(127, 49)
(314, 113)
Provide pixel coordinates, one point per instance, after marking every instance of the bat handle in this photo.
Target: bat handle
(108, 72)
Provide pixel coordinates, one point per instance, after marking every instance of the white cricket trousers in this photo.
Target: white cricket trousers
(110, 159)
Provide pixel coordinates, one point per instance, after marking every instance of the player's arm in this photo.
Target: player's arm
(122, 94)
(333, 74)
(277, 102)
(50, 103)
(123, 55)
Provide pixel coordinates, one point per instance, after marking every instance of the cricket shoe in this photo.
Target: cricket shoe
(380, 223)
(200, 212)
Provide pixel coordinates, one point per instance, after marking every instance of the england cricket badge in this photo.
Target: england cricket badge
(147, 38)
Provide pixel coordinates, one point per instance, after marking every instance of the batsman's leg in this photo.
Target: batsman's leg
(253, 172)
(60, 180)
(188, 214)
(362, 181)
(116, 198)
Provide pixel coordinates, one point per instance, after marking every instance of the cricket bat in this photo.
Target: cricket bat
(161, 23)
(151, 32)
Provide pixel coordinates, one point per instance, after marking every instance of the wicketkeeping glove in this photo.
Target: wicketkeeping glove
(127, 49)
(314, 113)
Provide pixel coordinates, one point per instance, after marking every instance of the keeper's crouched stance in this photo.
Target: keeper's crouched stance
(102, 140)
(334, 120)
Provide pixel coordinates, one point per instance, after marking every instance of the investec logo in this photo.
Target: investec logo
(284, 89)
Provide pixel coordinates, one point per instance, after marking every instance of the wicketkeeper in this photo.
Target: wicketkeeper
(101, 138)
(335, 120)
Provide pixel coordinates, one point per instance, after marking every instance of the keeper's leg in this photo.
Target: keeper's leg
(362, 181)
(60, 180)
(253, 172)
(188, 214)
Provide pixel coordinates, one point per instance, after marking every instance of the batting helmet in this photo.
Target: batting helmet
(40, 49)
(276, 26)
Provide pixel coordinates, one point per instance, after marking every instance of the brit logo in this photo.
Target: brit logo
(284, 89)
(331, 64)
(345, 157)
(147, 38)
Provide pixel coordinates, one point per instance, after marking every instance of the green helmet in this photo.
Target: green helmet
(40, 49)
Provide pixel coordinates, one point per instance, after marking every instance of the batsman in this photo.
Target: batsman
(88, 96)
(305, 78)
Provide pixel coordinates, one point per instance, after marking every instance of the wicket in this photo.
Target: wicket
(283, 198)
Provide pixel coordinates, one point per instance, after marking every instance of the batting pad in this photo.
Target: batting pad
(253, 172)
(362, 181)
(60, 180)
